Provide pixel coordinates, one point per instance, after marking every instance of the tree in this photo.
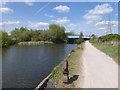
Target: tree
(25, 36)
(22, 29)
(6, 41)
(80, 40)
(15, 34)
(81, 35)
(57, 33)
(69, 33)
(61, 34)
(22, 34)
(93, 36)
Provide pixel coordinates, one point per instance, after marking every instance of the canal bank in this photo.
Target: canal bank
(35, 43)
(54, 79)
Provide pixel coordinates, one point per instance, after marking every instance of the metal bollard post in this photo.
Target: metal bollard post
(65, 72)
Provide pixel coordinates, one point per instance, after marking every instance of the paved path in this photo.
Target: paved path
(100, 70)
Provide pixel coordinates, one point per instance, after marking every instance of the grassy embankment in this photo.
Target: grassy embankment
(75, 68)
(109, 44)
(111, 50)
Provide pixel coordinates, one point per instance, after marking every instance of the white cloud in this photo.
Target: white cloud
(6, 10)
(51, 16)
(104, 23)
(103, 28)
(101, 9)
(39, 25)
(92, 18)
(28, 2)
(0, 23)
(71, 27)
(62, 21)
(10, 23)
(62, 9)
(95, 14)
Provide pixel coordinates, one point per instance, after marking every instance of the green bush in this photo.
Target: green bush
(5, 39)
(109, 37)
(80, 40)
(106, 38)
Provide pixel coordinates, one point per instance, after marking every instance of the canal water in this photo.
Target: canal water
(27, 66)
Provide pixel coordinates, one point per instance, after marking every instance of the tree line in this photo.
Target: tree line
(55, 34)
(106, 38)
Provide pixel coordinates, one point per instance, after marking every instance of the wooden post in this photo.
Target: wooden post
(65, 72)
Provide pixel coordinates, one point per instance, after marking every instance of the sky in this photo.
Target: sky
(87, 17)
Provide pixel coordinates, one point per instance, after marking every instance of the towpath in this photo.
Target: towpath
(100, 71)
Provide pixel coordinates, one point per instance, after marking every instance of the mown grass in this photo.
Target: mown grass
(74, 61)
(110, 50)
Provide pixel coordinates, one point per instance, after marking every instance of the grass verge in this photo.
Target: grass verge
(109, 49)
(75, 68)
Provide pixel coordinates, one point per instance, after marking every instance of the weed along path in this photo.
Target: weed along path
(100, 71)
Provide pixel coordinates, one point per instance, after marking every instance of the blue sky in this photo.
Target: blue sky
(86, 17)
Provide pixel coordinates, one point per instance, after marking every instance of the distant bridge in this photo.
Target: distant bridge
(73, 38)
(77, 36)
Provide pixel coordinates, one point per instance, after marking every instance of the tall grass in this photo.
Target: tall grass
(109, 49)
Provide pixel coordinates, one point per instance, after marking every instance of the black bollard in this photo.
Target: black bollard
(65, 72)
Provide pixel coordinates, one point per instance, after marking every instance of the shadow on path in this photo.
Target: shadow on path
(74, 78)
